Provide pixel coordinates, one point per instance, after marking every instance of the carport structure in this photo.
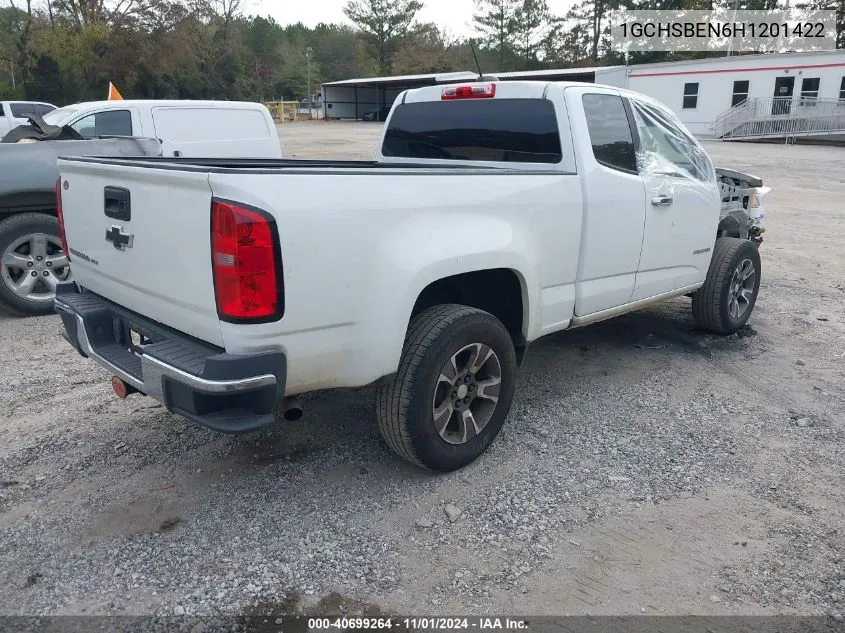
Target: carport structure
(352, 98)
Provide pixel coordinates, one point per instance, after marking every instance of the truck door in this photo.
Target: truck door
(614, 199)
(683, 203)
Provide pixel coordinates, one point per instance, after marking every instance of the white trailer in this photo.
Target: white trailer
(700, 91)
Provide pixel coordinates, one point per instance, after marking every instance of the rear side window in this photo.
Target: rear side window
(496, 130)
(21, 110)
(108, 123)
(43, 109)
(610, 132)
(114, 123)
(1, 110)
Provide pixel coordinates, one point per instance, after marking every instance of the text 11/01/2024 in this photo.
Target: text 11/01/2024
(418, 623)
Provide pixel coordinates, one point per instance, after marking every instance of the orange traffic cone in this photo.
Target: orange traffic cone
(114, 95)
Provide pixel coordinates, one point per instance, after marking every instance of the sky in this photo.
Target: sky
(453, 15)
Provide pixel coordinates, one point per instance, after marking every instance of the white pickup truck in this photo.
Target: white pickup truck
(492, 214)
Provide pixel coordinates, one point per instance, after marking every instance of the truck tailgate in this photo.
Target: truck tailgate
(152, 254)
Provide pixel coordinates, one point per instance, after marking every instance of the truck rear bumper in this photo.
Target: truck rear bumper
(228, 393)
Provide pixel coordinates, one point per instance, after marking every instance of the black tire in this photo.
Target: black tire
(12, 229)
(711, 304)
(404, 402)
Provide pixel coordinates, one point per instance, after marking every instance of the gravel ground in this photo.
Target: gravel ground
(645, 467)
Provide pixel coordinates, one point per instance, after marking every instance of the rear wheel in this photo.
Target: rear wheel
(724, 303)
(32, 263)
(453, 390)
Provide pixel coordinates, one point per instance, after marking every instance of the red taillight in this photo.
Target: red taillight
(472, 91)
(246, 262)
(61, 218)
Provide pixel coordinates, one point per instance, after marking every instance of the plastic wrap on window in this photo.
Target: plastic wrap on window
(665, 149)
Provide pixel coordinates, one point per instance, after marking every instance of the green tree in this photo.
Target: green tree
(338, 52)
(17, 23)
(424, 51)
(531, 29)
(385, 25)
(497, 22)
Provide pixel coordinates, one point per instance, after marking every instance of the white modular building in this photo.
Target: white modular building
(719, 96)
(779, 85)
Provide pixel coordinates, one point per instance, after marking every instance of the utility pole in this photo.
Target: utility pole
(308, 52)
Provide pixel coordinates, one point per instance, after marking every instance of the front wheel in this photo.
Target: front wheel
(452, 391)
(724, 303)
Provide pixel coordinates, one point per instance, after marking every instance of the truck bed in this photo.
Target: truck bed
(154, 259)
(276, 165)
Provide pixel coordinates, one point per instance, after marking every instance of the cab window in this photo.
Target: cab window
(109, 123)
(610, 132)
(665, 148)
(22, 110)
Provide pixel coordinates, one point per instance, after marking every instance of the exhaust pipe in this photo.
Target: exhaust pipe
(121, 388)
(291, 409)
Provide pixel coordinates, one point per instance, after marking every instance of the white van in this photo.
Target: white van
(14, 113)
(193, 129)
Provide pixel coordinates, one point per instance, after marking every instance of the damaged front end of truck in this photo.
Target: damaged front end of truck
(742, 212)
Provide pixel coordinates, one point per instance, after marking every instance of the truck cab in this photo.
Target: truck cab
(14, 113)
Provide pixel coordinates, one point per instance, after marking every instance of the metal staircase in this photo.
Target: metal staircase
(774, 118)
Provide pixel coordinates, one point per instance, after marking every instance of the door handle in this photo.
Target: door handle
(661, 201)
(116, 203)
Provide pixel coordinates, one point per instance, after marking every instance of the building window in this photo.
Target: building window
(809, 91)
(690, 96)
(740, 93)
